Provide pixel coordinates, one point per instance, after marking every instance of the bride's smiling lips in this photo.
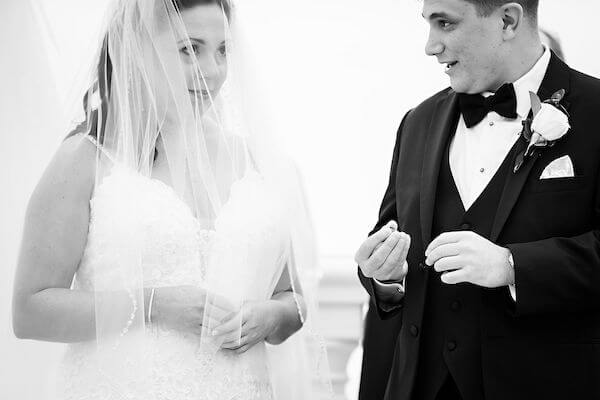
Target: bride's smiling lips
(205, 94)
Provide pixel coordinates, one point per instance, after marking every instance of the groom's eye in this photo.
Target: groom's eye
(444, 24)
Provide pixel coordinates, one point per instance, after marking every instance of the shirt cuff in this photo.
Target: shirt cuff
(390, 287)
(512, 287)
(513, 292)
(389, 294)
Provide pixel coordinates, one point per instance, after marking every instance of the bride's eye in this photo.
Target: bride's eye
(190, 50)
(223, 50)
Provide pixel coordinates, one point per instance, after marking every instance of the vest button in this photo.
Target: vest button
(455, 306)
(422, 265)
(451, 345)
(466, 226)
(414, 330)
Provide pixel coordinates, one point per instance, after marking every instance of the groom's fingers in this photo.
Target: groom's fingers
(448, 264)
(441, 251)
(406, 248)
(374, 263)
(397, 256)
(372, 242)
(381, 254)
(454, 277)
(444, 238)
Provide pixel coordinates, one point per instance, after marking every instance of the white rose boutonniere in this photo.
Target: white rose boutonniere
(550, 122)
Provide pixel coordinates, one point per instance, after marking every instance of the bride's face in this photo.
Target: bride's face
(189, 62)
(204, 55)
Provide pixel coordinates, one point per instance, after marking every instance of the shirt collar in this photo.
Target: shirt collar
(531, 82)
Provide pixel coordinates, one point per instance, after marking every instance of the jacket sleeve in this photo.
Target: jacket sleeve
(559, 274)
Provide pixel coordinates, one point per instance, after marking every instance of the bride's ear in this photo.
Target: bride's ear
(512, 15)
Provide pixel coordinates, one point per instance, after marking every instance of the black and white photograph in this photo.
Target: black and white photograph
(299, 200)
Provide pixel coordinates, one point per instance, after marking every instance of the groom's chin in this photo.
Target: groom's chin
(458, 88)
(458, 85)
(462, 87)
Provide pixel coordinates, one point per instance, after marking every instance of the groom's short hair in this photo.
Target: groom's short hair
(486, 7)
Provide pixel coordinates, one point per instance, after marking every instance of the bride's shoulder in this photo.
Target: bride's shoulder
(72, 171)
(77, 153)
(77, 148)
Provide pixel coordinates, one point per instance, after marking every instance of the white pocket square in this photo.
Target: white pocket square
(559, 168)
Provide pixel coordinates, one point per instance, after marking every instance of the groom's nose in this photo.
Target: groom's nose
(433, 46)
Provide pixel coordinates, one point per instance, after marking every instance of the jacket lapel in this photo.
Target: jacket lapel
(556, 78)
(443, 122)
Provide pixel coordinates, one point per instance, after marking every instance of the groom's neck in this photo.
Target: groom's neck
(521, 56)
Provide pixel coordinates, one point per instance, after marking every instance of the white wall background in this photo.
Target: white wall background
(347, 71)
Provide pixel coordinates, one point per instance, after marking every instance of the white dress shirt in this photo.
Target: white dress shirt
(476, 153)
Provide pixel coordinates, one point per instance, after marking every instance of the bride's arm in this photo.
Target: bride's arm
(54, 237)
(287, 306)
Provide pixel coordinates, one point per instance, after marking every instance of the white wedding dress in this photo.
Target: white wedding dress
(176, 251)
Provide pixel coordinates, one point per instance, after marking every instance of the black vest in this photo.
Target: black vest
(450, 342)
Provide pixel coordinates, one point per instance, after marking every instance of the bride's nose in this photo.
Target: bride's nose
(209, 68)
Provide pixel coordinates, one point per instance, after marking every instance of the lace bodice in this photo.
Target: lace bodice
(174, 245)
(128, 209)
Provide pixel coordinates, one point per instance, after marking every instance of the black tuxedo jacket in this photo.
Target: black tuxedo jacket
(546, 345)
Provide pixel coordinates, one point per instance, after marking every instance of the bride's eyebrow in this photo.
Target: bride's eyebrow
(193, 40)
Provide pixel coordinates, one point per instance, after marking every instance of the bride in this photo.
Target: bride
(167, 242)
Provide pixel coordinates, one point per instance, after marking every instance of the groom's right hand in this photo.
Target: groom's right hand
(382, 255)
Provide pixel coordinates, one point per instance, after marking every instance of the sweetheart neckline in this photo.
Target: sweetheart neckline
(171, 191)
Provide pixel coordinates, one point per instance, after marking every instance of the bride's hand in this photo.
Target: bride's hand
(253, 324)
(183, 308)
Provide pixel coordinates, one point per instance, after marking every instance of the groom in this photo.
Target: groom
(488, 251)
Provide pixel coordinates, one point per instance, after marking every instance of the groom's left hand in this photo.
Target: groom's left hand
(465, 256)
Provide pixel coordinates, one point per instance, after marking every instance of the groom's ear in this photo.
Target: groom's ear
(512, 18)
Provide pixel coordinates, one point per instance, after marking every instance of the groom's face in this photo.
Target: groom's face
(468, 44)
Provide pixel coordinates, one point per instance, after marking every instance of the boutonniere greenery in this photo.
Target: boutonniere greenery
(548, 123)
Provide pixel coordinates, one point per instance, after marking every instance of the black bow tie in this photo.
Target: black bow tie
(474, 107)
